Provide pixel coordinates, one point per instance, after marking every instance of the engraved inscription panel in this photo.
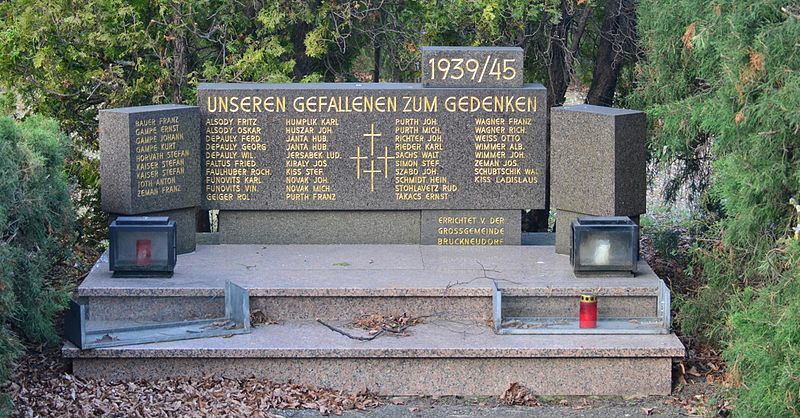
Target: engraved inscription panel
(160, 160)
(372, 147)
(471, 227)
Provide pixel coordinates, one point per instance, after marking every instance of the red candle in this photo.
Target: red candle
(144, 252)
(588, 312)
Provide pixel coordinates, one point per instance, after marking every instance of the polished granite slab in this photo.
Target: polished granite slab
(370, 270)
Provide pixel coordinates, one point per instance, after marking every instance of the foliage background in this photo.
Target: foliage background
(69, 59)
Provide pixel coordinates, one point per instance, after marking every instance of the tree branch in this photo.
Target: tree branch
(576, 38)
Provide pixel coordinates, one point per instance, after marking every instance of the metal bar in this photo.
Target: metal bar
(497, 310)
(153, 326)
(237, 304)
(175, 333)
(665, 305)
(74, 324)
(235, 321)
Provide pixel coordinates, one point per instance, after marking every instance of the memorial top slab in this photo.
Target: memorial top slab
(149, 108)
(599, 110)
(329, 86)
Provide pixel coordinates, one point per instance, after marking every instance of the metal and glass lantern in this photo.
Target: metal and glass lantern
(605, 244)
(142, 246)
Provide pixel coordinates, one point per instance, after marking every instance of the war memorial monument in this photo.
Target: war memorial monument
(335, 200)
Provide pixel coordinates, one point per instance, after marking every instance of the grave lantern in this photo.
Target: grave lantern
(142, 246)
(605, 244)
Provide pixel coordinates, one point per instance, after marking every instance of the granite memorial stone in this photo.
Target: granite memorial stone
(448, 66)
(150, 158)
(319, 227)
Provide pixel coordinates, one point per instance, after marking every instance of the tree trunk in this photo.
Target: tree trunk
(565, 41)
(376, 69)
(180, 54)
(617, 42)
(561, 59)
(303, 64)
(557, 71)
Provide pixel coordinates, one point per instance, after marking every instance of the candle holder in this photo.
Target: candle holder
(605, 245)
(142, 246)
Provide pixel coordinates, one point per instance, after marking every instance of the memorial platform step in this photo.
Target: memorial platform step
(339, 282)
(436, 358)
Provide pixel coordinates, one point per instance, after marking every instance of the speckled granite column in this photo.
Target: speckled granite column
(598, 165)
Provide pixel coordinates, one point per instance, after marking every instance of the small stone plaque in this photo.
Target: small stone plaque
(471, 227)
(598, 160)
(393, 146)
(447, 66)
(150, 158)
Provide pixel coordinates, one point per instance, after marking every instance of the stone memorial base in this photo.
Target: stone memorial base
(453, 352)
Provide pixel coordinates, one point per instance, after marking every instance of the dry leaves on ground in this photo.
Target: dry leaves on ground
(375, 323)
(518, 395)
(258, 317)
(42, 387)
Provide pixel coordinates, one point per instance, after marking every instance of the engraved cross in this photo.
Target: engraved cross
(358, 159)
(371, 173)
(386, 159)
(371, 135)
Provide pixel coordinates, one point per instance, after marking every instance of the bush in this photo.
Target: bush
(722, 78)
(762, 351)
(36, 229)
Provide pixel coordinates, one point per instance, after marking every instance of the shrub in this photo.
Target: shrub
(762, 352)
(722, 78)
(36, 229)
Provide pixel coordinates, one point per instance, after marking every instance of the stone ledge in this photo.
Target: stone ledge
(437, 339)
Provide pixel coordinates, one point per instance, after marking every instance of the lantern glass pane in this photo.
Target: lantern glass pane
(605, 247)
(142, 250)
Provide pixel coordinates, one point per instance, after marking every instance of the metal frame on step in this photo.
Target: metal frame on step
(235, 321)
(659, 324)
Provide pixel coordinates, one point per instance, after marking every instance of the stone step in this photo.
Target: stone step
(438, 357)
(339, 282)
